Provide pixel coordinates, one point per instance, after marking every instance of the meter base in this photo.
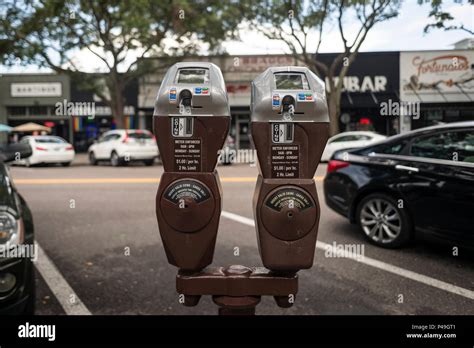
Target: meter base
(237, 290)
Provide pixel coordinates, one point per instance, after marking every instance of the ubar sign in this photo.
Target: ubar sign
(36, 89)
(437, 76)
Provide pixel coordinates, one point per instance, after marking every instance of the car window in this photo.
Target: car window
(140, 135)
(392, 148)
(344, 138)
(25, 141)
(106, 137)
(110, 137)
(49, 140)
(451, 146)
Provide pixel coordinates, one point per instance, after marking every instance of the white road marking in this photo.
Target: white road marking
(65, 295)
(436, 283)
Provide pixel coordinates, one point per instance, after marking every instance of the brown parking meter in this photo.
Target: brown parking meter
(290, 128)
(191, 123)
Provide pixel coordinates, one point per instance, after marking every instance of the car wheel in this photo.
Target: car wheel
(383, 222)
(66, 164)
(92, 159)
(115, 159)
(149, 162)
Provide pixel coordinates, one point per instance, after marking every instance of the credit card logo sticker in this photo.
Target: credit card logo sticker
(172, 95)
(276, 101)
(197, 90)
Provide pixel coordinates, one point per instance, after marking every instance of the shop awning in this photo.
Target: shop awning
(5, 128)
(31, 127)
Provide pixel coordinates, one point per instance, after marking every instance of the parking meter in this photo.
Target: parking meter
(290, 128)
(191, 122)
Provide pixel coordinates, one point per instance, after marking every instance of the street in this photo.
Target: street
(97, 227)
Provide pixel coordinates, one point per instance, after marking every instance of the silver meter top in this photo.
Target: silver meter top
(192, 89)
(288, 94)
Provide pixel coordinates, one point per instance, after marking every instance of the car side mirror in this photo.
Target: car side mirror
(16, 151)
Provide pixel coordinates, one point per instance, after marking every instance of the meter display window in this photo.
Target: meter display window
(291, 81)
(192, 76)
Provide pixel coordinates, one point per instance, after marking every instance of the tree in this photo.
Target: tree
(294, 21)
(118, 33)
(442, 19)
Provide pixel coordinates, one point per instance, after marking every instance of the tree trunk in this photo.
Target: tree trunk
(334, 105)
(118, 116)
(117, 105)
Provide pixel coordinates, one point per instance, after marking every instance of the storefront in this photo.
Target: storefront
(87, 128)
(442, 82)
(375, 81)
(371, 81)
(32, 98)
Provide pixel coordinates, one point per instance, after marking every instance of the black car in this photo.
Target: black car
(17, 280)
(420, 183)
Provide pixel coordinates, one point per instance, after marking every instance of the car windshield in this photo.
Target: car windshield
(140, 135)
(49, 140)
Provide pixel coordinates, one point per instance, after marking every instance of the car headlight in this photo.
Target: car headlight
(9, 230)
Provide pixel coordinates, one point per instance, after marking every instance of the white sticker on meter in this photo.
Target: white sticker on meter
(282, 132)
(182, 126)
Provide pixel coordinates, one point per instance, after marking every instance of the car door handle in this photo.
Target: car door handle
(406, 168)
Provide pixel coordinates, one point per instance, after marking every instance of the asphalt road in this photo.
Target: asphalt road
(98, 229)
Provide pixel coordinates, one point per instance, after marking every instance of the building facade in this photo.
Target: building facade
(32, 98)
(439, 83)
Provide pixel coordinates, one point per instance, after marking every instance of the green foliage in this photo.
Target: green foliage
(444, 20)
(49, 33)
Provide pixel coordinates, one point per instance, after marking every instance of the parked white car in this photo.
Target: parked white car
(349, 140)
(121, 146)
(48, 149)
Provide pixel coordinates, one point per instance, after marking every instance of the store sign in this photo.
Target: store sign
(362, 84)
(36, 89)
(437, 76)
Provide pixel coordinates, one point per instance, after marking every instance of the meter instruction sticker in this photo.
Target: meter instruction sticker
(187, 155)
(182, 126)
(282, 132)
(291, 198)
(285, 161)
(186, 189)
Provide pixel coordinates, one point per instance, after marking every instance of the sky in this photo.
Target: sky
(404, 33)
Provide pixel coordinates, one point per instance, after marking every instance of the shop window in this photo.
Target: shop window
(434, 115)
(38, 110)
(16, 110)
